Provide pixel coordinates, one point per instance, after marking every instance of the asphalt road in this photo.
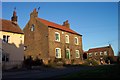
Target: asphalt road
(41, 73)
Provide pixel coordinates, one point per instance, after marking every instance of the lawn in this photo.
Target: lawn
(103, 71)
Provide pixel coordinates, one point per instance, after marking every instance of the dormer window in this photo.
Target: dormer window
(32, 27)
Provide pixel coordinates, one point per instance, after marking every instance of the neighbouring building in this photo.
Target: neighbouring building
(48, 41)
(12, 39)
(101, 54)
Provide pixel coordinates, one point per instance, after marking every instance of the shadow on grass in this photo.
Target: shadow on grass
(104, 71)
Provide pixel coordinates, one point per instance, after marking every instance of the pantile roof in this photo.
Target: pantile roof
(10, 26)
(57, 26)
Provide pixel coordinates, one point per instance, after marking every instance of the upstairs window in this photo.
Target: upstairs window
(58, 52)
(76, 40)
(96, 53)
(5, 38)
(77, 54)
(57, 36)
(32, 27)
(5, 57)
(101, 53)
(67, 38)
(105, 53)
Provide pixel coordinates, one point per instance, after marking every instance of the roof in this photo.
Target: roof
(98, 49)
(10, 26)
(57, 26)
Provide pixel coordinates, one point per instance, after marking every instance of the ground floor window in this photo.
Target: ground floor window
(77, 54)
(5, 57)
(58, 52)
(68, 53)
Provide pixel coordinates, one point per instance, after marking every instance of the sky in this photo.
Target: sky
(97, 22)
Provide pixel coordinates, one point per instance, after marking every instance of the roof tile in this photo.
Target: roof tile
(57, 26)
(9, 26)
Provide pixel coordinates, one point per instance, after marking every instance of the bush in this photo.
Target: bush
(37, 62)
(90, 62)
(29, 62)
(56, 62)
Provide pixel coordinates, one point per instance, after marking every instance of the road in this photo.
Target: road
(41, 73)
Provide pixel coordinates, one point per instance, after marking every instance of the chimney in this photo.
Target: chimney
(34, 13)
(66, 24)
(14, 17)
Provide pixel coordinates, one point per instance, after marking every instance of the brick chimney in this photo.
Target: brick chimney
(34, 13)
(66, 24)
(14, 17)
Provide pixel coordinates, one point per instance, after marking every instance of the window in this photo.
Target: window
(96, 53)
(66, 38)
(105, 53)
(5, 38)
(5, 57)
(90, 54)
(57, 36)
(20, 39)
(101, 53)
(67, 54)
(58, 53)
(77, 54)
(25, 47)
(32, 27)
(76, 40)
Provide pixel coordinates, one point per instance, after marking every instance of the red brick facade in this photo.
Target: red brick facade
(100, 53)
(40, 40)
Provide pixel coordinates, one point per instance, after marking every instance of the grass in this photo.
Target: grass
(107, 71)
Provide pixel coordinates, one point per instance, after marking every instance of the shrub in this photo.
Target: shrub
(90, 62)
(37, 62)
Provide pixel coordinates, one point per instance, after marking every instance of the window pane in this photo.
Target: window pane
(77, 54)
(57, 36)
(4, 38)
(32, 28)
(67, 39)
(58, 53)
(76, 40)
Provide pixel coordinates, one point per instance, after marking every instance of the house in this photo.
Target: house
(12, 39)
(101, 54)
(48, 41)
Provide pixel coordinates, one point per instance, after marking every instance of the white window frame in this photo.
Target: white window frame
(101, 53)
(32, 27)
(96, 53)
(59, 54)
(66, 38)
(69, 53)
(76, 38)
(6, 39)
(58, 36)
(90, 54)
(77, 53)
(105, 53)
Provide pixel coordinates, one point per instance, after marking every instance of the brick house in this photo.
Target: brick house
(48, 41)
(12, 40)
(100, 54)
